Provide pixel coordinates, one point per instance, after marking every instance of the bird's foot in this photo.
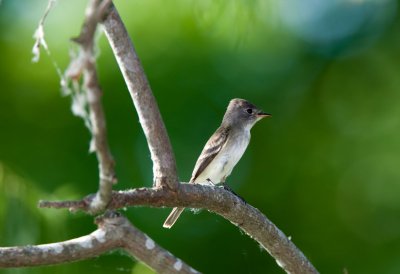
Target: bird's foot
(211, 183)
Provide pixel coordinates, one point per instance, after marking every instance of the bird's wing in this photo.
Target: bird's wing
(210, 150)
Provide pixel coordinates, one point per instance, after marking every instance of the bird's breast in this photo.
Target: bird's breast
(222, 165)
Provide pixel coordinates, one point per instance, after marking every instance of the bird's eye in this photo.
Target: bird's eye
(249, 111)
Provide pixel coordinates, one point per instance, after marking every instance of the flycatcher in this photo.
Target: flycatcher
(224, 149)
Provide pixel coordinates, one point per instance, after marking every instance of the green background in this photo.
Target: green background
(325, 168)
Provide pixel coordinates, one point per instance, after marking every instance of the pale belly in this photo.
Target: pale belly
(223, 164)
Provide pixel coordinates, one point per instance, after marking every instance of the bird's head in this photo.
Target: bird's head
(243, 113)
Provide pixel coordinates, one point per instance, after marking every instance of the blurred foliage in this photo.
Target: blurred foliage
(324, 168)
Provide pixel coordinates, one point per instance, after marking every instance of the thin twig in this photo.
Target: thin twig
(249, 219)
(86, 63)
(114, 232)
(164, 165)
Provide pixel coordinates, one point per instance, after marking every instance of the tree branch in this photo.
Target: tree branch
(164, 165)
(114, 231)
(86, 63)
(246, 217)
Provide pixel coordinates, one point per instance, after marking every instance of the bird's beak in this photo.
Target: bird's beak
(263, 115)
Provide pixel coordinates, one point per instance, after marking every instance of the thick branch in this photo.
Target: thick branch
(164, 165)
(114, 232)
(249, 219)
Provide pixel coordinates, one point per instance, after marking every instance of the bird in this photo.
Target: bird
(224, 148)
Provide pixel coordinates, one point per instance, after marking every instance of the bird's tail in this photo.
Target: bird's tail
(173, 216)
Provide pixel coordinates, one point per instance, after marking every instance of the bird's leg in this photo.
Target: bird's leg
(228, 188)
(210, 182)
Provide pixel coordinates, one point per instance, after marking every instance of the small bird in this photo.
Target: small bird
(224, 148)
